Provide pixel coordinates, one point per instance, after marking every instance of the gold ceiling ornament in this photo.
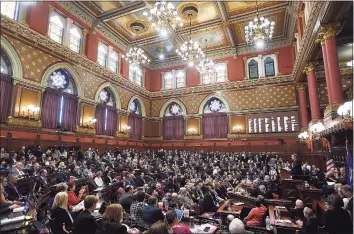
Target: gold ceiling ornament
(330, 30)
(301, 86)
(138, 26)
(189, 10)
(309, 67)
(320, 39)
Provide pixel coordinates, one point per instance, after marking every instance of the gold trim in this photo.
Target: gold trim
(262, 135)
(309, 68)
(24, 122)
(146, 138)
(301, 86)
(193, 137)
(331, 109)
(122, 135)
(330, 30)
(83, 130)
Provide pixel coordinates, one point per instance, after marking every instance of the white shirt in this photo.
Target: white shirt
(99, 181)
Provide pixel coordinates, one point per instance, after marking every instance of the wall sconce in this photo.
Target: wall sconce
(191, 131)
(125, 129)
(315, 130)
(90, 122)
(303, 137)
(31, 111)
(346, 111)
(237, 129)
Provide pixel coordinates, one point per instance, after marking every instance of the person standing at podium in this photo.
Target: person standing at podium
(296, 169)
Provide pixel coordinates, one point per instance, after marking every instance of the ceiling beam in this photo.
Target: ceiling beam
(225, 18)
(120, 12)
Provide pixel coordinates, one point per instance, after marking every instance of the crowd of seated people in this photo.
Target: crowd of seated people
(155, 186)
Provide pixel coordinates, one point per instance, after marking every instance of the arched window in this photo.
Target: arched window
(214, 121)
(113, 61)
(135, 120)
(253, 69)
(136, 75)
(75, 38)
(174, 79)
(269, 68)
(214, 105)
(10, 9)
(56, 27)
(168, 80)
(106, 113)
(216, 76)
(59, 106)
(173, 122)
(6, 86)
(102, 54)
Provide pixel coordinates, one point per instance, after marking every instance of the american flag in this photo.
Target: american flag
(330, 163)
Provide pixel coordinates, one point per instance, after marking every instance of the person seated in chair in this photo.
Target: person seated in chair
(151, 213)
(72, 198)
(311, 224)
(11, 188)
(85, 223)
(255, 217)
(208, 201)
(298, 211)
(61, 220)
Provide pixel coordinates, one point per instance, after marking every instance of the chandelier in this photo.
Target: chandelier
(135, 57)
(316, 129)
(303, 136)
(205, 66)
(190, 51)
(259, 31)
(162, 16)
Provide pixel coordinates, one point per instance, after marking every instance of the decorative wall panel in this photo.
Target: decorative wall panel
(322, 89)
(125, 96)
(261, 97)
(192, 102)
(34, 62)
(156, 107)
(90, 82)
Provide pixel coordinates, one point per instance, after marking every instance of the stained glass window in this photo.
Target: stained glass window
(214, 105)
(174, 79)
(180, 78)
(10, 9)
(56, 27)
(113, 61)
(206, 79)
(6, 67)
(218, 75)
(269, 67)
(75, 35)
(253, 69)
(173, 109)
(168, 84)
(135, 107)
(102, 54)
(62, 80)
(106, 97)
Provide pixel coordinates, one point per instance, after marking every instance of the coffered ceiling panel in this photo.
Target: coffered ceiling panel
(242, 7)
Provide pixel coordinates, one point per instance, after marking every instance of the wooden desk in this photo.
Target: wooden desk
(288, 227)
(251, 200)
(235, 209)
(288, 187)
(321, 209)
(308, 195)
(284, 174)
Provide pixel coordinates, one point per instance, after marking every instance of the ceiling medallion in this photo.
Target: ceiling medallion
(164, 16)
(190, 50)
(259, 31)
(190, 10)
(138, 27)
(136, 57)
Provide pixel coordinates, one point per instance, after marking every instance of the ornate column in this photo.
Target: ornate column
(325, 62)
(329, 33)
(313, 91)
(301, 88)
(83, 43)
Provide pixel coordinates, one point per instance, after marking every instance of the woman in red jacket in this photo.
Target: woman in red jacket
(255, 217)
(72, 198)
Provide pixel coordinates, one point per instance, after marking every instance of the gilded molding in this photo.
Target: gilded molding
(301, 86)
(146, 138)
(122, 135)
(262, 135)
(329, 30)
(24, 122)
(86, 131)
(309, 68)
(193, 137)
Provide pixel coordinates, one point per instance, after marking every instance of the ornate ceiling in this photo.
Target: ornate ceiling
(221, 23)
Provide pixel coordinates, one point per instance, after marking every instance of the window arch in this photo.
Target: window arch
(269, 68)
(75, 38)
(59, 106)
(135, 120)
(5, 66)
(10, 9)
(173, 121)
(136, 75)
(253, 72)
(173, 109)
(102, 55)
(106, 112)
(135, 107)
(217, 76)
(174, 79)
(214, 105)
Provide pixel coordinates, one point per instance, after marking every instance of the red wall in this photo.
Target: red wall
(236, 69)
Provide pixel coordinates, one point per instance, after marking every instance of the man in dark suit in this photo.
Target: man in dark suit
(85, 223)
(348, 193)
(11, 188)
(127, 198)
(298, 211)
(42, 178)
(151, 213)
(208, 202)
(296, 169)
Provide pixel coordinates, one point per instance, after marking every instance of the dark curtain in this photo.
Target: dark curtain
(6, 88)
(214, 125)
(136, 126)
(173, 128)
(111, 127)
(100, 117)
(50, 108)
(69, 112)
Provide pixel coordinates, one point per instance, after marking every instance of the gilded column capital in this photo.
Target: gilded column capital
(321, 38)
(329, 30)
(302, 14)
(301, 86)
(309, 67)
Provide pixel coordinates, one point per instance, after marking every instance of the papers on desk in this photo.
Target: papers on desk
(19, 209)
(201, 228)
(330, 183)
(80, 206)
(282, 221)
(280, 207)
(238, 203)
(14, 220)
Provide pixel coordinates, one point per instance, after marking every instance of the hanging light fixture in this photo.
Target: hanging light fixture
(136, 57)
(259, 31)
(205, 66)
(190, 50)
(162, 16)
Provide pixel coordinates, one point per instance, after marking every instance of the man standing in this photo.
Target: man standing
(296, 169)
(85, 223)
(127, 198)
